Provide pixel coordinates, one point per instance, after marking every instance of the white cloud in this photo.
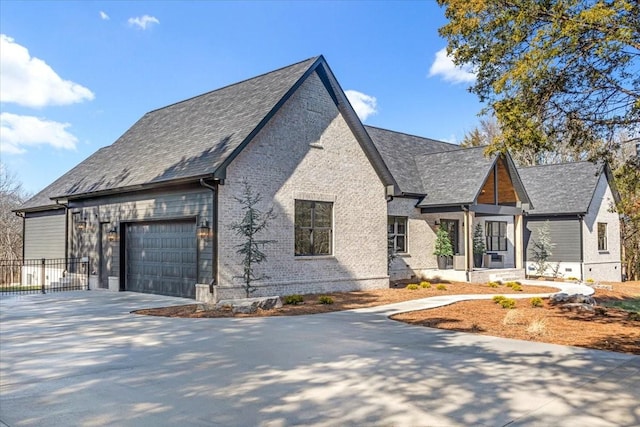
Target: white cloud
(18, 132)
(143, 21)
(104, 16)
(364, 105)
(30, 82)
(444, 66)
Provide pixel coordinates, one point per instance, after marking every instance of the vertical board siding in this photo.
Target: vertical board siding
(44, 236)
(564, 232)
(171, 205)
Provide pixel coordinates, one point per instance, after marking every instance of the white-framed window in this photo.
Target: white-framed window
(397, 233)
(602, 236)
(496, 235)
(313, 228)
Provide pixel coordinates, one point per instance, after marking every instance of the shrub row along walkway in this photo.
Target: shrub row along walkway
(439, 301)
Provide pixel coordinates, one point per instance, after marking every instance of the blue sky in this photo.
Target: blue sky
(76, 75)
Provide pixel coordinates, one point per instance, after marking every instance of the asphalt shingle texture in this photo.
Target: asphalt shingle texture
(400, 151)
(453, 177)
(565, 188)
(187, 139)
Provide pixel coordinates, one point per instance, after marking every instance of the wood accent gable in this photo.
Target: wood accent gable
(502, 187)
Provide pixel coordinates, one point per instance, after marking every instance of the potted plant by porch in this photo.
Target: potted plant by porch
(443, 248)
(478, 246)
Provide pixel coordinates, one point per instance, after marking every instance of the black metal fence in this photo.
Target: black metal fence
(33, 276)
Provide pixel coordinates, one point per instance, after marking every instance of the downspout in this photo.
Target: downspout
(581, 219)
(22, 215)
(214, 228)
(66, 229)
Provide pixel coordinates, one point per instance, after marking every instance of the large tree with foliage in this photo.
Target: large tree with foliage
(627, 177)
(551, 70)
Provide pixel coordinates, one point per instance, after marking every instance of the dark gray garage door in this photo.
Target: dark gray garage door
(161, 258)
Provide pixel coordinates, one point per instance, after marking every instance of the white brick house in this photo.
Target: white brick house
(153, 210)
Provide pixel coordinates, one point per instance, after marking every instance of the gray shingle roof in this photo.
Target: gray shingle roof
(565, 188)
(191, 138)
(400, 151)
(453, 177)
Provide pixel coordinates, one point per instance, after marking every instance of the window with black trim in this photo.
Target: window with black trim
(496, 235)
(397, 233)
(313, 228)
(602, 236)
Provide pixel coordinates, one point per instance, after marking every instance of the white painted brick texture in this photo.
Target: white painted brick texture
(307, 151)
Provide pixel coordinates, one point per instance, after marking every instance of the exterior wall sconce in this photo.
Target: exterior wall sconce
(204, 229)
(81, 224)
(112, 235)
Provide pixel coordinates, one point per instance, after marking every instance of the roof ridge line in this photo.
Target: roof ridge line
(314, 58)
(411, 134)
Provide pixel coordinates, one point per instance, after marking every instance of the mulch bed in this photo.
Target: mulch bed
(347, 300)
(606, 329)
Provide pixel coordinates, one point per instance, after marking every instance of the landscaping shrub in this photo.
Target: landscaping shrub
(412, 286)
(536, 302)
(294, 299)
(425, 284)
(508, 303)
(634, 316)
(498, 298)
(513, 317)
(572, 279)
(441, 287)
(589, 280)
(512, 284)
(325, 299)
(516, 287)
(538, 327)
(493, 284)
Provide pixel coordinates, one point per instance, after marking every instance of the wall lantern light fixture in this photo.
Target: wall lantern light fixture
(112, 235)
(204, 229)
(81, 223)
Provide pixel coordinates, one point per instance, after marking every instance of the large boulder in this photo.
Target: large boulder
(564, 298)
(250, 305)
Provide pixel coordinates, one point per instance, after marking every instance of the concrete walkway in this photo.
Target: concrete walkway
(433, 302)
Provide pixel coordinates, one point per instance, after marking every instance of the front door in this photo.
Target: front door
(451, 225)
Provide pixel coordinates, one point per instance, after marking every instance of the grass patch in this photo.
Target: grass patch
(18, 288)
(627, 305)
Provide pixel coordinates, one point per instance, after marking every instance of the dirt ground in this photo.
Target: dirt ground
(610, 329)
(349, 300)
(607, 329)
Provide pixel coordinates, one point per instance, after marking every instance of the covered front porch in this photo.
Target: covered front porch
(482, 212)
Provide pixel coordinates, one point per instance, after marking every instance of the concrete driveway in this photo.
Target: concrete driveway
(80, 359)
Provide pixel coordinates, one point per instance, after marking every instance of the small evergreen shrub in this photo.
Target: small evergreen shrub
(512, 284)
(517, 288)
(508, 303)
(294, 299)
(325, 299)
(498, 298)
(536, 302)
(425, 285)
(441, 287)
(589, 280)
(634, 316)
(572, 279)
(412, 286)
(493, 284)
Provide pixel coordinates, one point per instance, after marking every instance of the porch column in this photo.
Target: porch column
(519, 240)
(468, 250)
